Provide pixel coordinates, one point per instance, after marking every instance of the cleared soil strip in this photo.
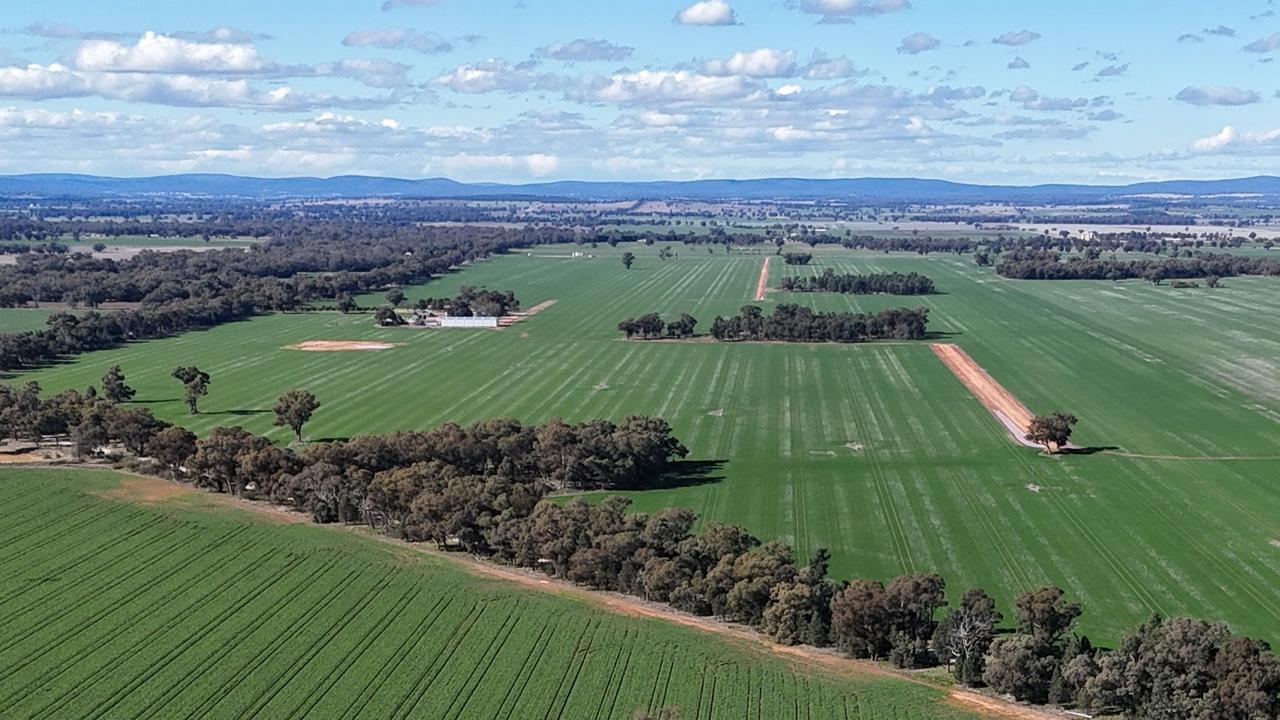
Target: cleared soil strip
(339, 346)
(1006, 408)
(515, 317)
(763, 283)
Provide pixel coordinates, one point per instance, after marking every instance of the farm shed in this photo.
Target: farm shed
(469, 322)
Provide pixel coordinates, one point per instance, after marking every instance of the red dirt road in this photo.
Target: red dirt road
(1003, 405)
(763, 283)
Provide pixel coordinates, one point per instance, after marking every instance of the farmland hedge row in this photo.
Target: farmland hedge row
(853, 284)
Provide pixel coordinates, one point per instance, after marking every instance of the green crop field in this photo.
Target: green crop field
(874, 451)
(21, 319)
(190, 609)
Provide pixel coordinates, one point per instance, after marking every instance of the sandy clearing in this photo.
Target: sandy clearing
(1006, 408)
(762, 284)
(507, 321)
(340, 346)
(22, 458)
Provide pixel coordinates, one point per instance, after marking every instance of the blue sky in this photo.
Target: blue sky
(521, 90)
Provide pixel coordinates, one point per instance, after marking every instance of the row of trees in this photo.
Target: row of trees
(1049, 265)
(797, 323)
(894, 283)
(482, 489)
(471, 301)
(651, 326)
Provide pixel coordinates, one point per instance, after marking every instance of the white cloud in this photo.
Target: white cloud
(154, 53)
(1018, 64)
(1267, 44)
(397, 38)
(708, 12)
(1016, 37)
(42, 82)
(663, 120)
(585, 50)
(821, 67)
(536, 165)
(1231, 138)
(917, 43)
(494, 74)
(374, 73)
(1217, 95)
(659, 86)
(760, 63)
(843, 11)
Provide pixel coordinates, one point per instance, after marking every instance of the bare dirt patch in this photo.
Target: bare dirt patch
(602, 385)
(340, 346)
(145, 490)
(1275, 542)
(762, 285)
(854, 446)
(718, 412)
(1034, 487)
(507, 321)
(1003, 405)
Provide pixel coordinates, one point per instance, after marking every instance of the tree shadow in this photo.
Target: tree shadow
(154, 402)
(1087, 450)
(335, 439)
(236, 413)
(941, 334)
(689, 473)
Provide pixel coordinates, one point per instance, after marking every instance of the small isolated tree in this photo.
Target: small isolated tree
(395, 296)
(628, 259)
(294, 409)
(1052, 431)
(114, 387)
(195, 383)
(346, 303)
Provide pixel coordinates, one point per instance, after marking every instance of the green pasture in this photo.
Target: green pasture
(873, 451)
(187, 609)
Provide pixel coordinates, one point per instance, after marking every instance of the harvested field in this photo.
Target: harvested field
(1006, 408)
(340, 346)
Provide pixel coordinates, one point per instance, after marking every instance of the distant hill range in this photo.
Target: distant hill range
(862, 189)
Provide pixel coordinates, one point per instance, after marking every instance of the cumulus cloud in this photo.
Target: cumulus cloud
(1031, 99)
(374, 73)
(43, 82)
(585, 50)
(1217, 95)
(1230, 138)
(494, 74)
(845, 11)
(1107, 115)
(397, 38)
(667, 86)
(708, 12)
(1221, 31)
(1018, 64)
(761, 63)
(822, 67)
(917, 43)
(1265, 45)
(1113, 71)
(155, 53)
(1079, 66)
(1015, 38)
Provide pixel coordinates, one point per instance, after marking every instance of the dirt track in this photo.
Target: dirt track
(763, 284)
(340, 346)
(1003, 405)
